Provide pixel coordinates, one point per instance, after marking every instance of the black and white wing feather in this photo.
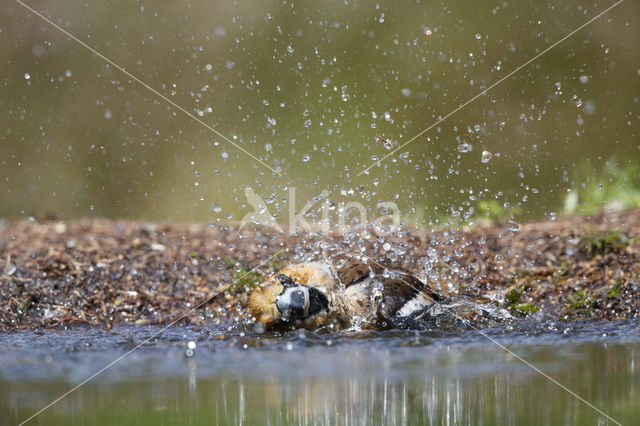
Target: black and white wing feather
(386, 295)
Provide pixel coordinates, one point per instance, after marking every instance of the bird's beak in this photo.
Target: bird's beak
(293, 303)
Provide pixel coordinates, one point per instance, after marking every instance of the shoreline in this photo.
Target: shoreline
(102, 272)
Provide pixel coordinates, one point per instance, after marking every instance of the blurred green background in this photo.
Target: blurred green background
(306, 87)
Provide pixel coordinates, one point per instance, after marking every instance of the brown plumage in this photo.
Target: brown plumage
(340, 293)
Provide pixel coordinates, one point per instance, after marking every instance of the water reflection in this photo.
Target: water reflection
(374, 380)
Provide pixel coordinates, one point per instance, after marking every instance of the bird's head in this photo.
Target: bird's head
(297, 296)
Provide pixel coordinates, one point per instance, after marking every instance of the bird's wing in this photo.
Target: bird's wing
(404, 294)
(401, 292)
(351, 270)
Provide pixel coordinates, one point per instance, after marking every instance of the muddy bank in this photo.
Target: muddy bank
(102, 272)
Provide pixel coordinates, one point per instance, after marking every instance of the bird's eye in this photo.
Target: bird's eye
(318, 302)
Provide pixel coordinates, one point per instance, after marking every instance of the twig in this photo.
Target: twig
(7, 264)
(11, 310)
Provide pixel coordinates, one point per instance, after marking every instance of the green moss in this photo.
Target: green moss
(579, 300)
(580, 303)
(513, 297)
(527, 308)
(244, 279)
(615, 290)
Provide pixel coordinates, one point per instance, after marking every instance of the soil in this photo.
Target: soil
(101, 272)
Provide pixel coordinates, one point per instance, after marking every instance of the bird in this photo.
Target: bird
(339, 293)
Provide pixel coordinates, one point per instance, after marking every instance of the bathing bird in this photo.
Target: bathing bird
(339, 293)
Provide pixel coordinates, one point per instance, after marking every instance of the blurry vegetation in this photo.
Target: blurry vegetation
(492, 211)
(306, 92)
(616, 187)
(604, 243)
(483, 213)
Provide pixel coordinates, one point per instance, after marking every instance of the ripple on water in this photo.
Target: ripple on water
(72, 355)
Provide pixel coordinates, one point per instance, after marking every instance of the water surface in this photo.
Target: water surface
(392, 377)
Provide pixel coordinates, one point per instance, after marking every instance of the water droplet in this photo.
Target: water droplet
(224, 155)
(305, 158)
(191, 345)
(406, 92)
(11, 270)
(478, 36)
(215, 207)
(37, 50)
(107, 114)
(498, 258)
(584, 79)
(465, 147)
(589, 107)
(513, 226)
(27, 76)
(558, 88)
(486, 156)
(387, 143)
(386, 246)
(268, 147)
